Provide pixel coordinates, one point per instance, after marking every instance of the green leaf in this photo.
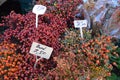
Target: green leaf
(112, 77)
(118, 50)
(118, 66)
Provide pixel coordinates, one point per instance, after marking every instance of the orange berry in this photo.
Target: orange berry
(88, 78)
(116, 55)
(107, 57)
(104, 49)
(79, 51)
(107, 51)
(105, 45)
(110, 66)
(0, 53)
(8, 57)
(12, 45)
(16, 77)
(96, 40)
(97, 62)
(114, 63)
(108, 74)
(89, 53)
(105, 61)
(5, 77)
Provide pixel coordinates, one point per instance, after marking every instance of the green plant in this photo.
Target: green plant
(72, 40)
(116, 65)
(83, 59)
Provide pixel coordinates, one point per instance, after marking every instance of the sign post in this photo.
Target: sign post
(40, 50)
(38, 10)
(80, 24)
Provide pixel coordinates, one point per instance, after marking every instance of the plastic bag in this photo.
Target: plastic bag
(83, 12)
(89, 5)
(96, 11)
(100, 9)
(100, 12)
(113, 27)
(105, 4)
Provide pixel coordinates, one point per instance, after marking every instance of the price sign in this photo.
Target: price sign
(80, 24)
(38, 10)
(41, 50)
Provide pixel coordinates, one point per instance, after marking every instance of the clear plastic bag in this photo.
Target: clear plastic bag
(83, 12)
(100, 12)
(101, 7)
(104, 4)
(113, 27)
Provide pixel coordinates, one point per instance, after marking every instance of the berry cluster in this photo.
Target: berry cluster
(98, 50)
(9, 61)
(67, 9)
(22, 30)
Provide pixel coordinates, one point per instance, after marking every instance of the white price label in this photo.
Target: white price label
(41, 50)
(80, 23)
(39, 9)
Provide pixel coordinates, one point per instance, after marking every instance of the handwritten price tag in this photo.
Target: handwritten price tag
(80, 24)
(38, 10)
(41, 50)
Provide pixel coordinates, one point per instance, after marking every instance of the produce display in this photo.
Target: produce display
(84, 53)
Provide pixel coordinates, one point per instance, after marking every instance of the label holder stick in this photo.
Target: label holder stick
(81, 32)
(37, 59)
(36, 20)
